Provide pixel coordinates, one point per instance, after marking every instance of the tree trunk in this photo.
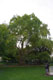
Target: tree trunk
(22, 61)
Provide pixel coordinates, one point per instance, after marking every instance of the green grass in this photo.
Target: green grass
(24, 73)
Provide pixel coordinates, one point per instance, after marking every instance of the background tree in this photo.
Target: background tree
(7, 42)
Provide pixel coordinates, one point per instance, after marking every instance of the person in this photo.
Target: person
(47, 68)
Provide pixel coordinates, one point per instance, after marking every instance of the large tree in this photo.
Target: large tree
(29, 31)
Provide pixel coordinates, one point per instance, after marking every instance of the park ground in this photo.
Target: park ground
(23, 73)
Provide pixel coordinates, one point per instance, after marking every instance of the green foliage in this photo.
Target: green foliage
(26, 26)
(3, 37)
(30, 32)
(7, 41)
(44, 56)
(44, 31)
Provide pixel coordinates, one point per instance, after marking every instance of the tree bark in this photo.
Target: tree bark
(22, 61)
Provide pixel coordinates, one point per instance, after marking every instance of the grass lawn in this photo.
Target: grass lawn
(24, 73)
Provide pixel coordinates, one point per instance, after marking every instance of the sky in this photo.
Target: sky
(43, 9)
